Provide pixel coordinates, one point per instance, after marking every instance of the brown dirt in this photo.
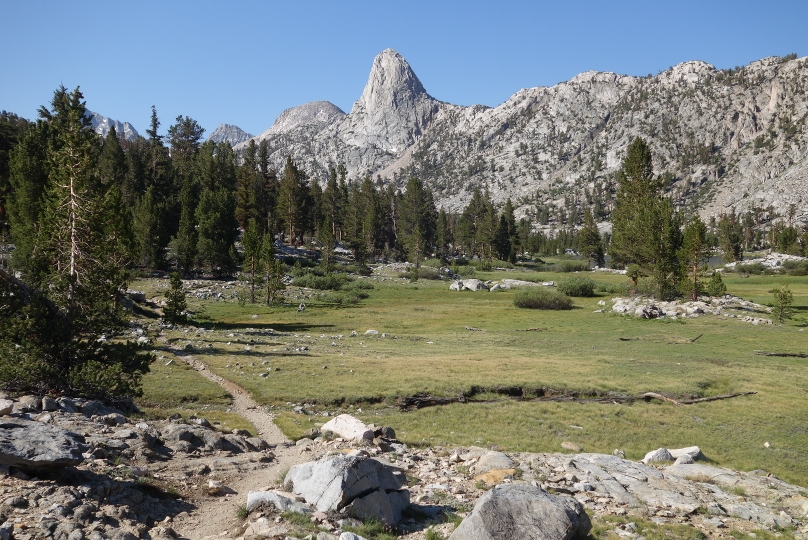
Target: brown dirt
(216, 516)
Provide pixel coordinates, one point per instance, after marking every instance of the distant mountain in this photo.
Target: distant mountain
(102, 125)
(232, 134)
(724, 139)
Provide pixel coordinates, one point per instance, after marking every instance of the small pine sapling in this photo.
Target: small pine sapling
(175, 301)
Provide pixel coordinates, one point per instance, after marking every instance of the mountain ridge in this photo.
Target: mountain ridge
(724, 139)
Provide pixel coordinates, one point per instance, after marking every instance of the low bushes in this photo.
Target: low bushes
(577, 286)
(332, 282)
(574, 266)
(541, 298)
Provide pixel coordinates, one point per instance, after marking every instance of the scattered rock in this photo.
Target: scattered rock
(6, 406)
(283, 502)
(654, 456)
(567, 445)
(491, 461)
(348, 427)
(468, 285)
(518, 511)
(36, 447)
(336, 482)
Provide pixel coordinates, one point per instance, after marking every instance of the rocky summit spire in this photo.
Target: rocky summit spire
(394, 108)
(391, 83)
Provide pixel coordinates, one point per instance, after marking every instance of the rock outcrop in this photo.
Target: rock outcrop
(36, 447)
(530, 513)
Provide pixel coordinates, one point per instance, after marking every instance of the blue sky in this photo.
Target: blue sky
(243, 62)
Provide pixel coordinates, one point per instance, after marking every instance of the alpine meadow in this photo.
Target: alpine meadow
(535, 296)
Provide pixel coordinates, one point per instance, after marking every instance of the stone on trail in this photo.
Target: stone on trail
(37, 447)
(348, 427)
(529, 513)
(335, 482)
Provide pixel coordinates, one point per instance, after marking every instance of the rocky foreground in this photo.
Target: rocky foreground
(75, 469)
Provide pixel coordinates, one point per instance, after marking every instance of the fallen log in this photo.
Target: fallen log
(715, 398)
(782, 354)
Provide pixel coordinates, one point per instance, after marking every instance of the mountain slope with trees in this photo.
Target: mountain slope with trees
(725, 140)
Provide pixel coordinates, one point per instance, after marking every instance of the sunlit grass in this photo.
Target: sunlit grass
(446, 343)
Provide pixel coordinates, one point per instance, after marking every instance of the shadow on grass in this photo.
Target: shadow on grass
(292, 328)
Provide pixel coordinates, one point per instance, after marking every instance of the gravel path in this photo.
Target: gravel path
(216, 517)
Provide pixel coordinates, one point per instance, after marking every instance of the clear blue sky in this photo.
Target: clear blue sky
(243, 62)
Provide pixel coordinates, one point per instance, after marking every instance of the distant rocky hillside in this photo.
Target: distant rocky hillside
(724, 139)
(102, 125)
(232, 134)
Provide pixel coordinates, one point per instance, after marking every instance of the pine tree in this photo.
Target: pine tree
(327, 243)
(146, 224)
(513, 235)
(333, 203)
(184, 244)
(291, 200)
(176, 304)
(217, 229)
(417, 219)
(589, 240)
(273, 269)
(694, 254)
(730, 237)
(646, 232)
(51, 326)
(443, 234)
(783, 298)
(251, 241)
(249, 185)
(28, 177)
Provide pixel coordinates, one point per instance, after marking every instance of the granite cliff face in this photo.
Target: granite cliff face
(725, 139)
(229, 133)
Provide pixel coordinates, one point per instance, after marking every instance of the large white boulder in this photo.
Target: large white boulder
(364, 487)
(348, 427)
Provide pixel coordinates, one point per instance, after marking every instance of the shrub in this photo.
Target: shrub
(577, 286)
(361, 270)
(359, 285)
(425, 272)
(573, 266)
(782, 303)
(611, 288)
(332, 282)
(465, 271)
(755, 269)
(432, 263)
(796, 268)
(541, 298)
(716, 287)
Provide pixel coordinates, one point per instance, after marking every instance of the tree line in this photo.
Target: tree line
(80, 211)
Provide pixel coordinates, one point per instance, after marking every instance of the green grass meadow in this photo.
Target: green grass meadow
(477, 344)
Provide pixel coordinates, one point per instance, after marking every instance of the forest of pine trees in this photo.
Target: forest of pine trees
(175, 202)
